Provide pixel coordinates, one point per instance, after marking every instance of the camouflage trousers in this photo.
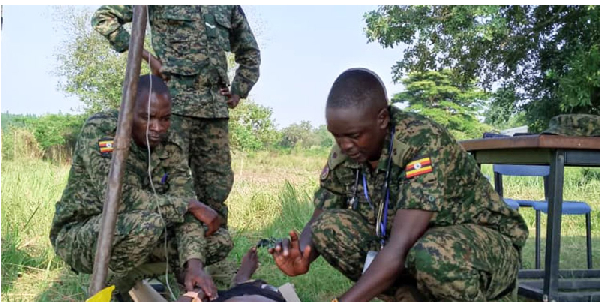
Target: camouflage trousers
(454, 263)
(139, 250)
(209, 158)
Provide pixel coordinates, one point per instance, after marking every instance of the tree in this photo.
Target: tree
(549, 54)
(324, 137)
(454, 105)
(298, 135)
(252, 127)
(502, 109)
(87, 66)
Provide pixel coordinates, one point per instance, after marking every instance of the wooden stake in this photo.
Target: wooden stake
(121, 150)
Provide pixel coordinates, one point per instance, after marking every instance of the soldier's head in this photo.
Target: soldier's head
(357, 114)
(151, 113)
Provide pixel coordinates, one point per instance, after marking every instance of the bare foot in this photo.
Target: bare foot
(248, 267)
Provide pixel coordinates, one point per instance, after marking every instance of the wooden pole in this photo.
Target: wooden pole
(121, 150)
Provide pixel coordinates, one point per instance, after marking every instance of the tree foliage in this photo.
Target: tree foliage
(252, 127)
(451, 104)
(550, 55)
(53, 135)
(304, 135)
(87, 66)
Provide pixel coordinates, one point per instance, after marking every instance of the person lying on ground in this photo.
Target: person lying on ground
(245, 289)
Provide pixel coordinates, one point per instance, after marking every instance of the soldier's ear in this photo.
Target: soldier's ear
(383, 118)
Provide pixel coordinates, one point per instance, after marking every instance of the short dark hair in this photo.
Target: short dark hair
(158, 85)
(357, 88)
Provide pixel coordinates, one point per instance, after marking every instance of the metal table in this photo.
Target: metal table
(558, 152)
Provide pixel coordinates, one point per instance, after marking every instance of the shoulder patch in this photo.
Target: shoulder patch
(106, 146)
(418, 167)
(325, 172)
(336, 157)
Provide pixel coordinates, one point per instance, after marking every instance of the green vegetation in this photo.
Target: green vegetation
(548, 55)
(271, 196)
(470, 68)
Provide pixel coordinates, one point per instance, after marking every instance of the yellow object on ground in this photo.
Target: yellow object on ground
(103, 295)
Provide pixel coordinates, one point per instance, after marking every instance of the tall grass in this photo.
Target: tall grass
(271, 196)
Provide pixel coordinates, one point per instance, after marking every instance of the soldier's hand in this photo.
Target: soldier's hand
(206, 215)
(233, 100)
(289, 258)
(155, 65)
(195, 277)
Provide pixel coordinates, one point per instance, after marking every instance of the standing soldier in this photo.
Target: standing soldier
(191, 42)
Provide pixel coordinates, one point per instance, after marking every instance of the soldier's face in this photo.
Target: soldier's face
(157, 125)
(359, 133)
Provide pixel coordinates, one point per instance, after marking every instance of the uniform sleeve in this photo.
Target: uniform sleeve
(172, 206)
(189, 235)
(247, 54)
(108, 20)
(191, 243)
(422, 183)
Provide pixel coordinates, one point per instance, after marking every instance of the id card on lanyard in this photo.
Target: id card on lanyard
(380, 227)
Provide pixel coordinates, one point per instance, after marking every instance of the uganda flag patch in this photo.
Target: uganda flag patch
(106, 146)
(418, 167)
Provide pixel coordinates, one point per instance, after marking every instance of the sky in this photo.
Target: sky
(303, 48)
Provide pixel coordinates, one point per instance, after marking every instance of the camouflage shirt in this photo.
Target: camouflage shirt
(192, 41)
(86, 188)
(429, 171)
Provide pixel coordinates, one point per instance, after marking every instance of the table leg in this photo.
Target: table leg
(555, 199)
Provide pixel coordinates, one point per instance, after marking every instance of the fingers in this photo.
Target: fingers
(189, 283)
(306, 252)
(208, 286)
(212, 228)
(294, 241)
(285, 247)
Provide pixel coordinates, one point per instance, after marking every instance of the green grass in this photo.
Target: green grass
(272, 195)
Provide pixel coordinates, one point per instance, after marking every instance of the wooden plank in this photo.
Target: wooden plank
(533, 141)
(569, 142)
(493, 143)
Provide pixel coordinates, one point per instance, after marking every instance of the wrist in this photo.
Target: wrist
(194, 205)
(194, 263)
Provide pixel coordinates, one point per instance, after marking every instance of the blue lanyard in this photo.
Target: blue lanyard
(386, 189)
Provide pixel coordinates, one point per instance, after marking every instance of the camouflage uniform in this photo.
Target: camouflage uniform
(471, 250)
(574, 125)
(191, 42)
(139, 238)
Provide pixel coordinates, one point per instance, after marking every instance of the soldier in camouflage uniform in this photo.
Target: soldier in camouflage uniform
(398, 187)
(149, 210)
(191, 42)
